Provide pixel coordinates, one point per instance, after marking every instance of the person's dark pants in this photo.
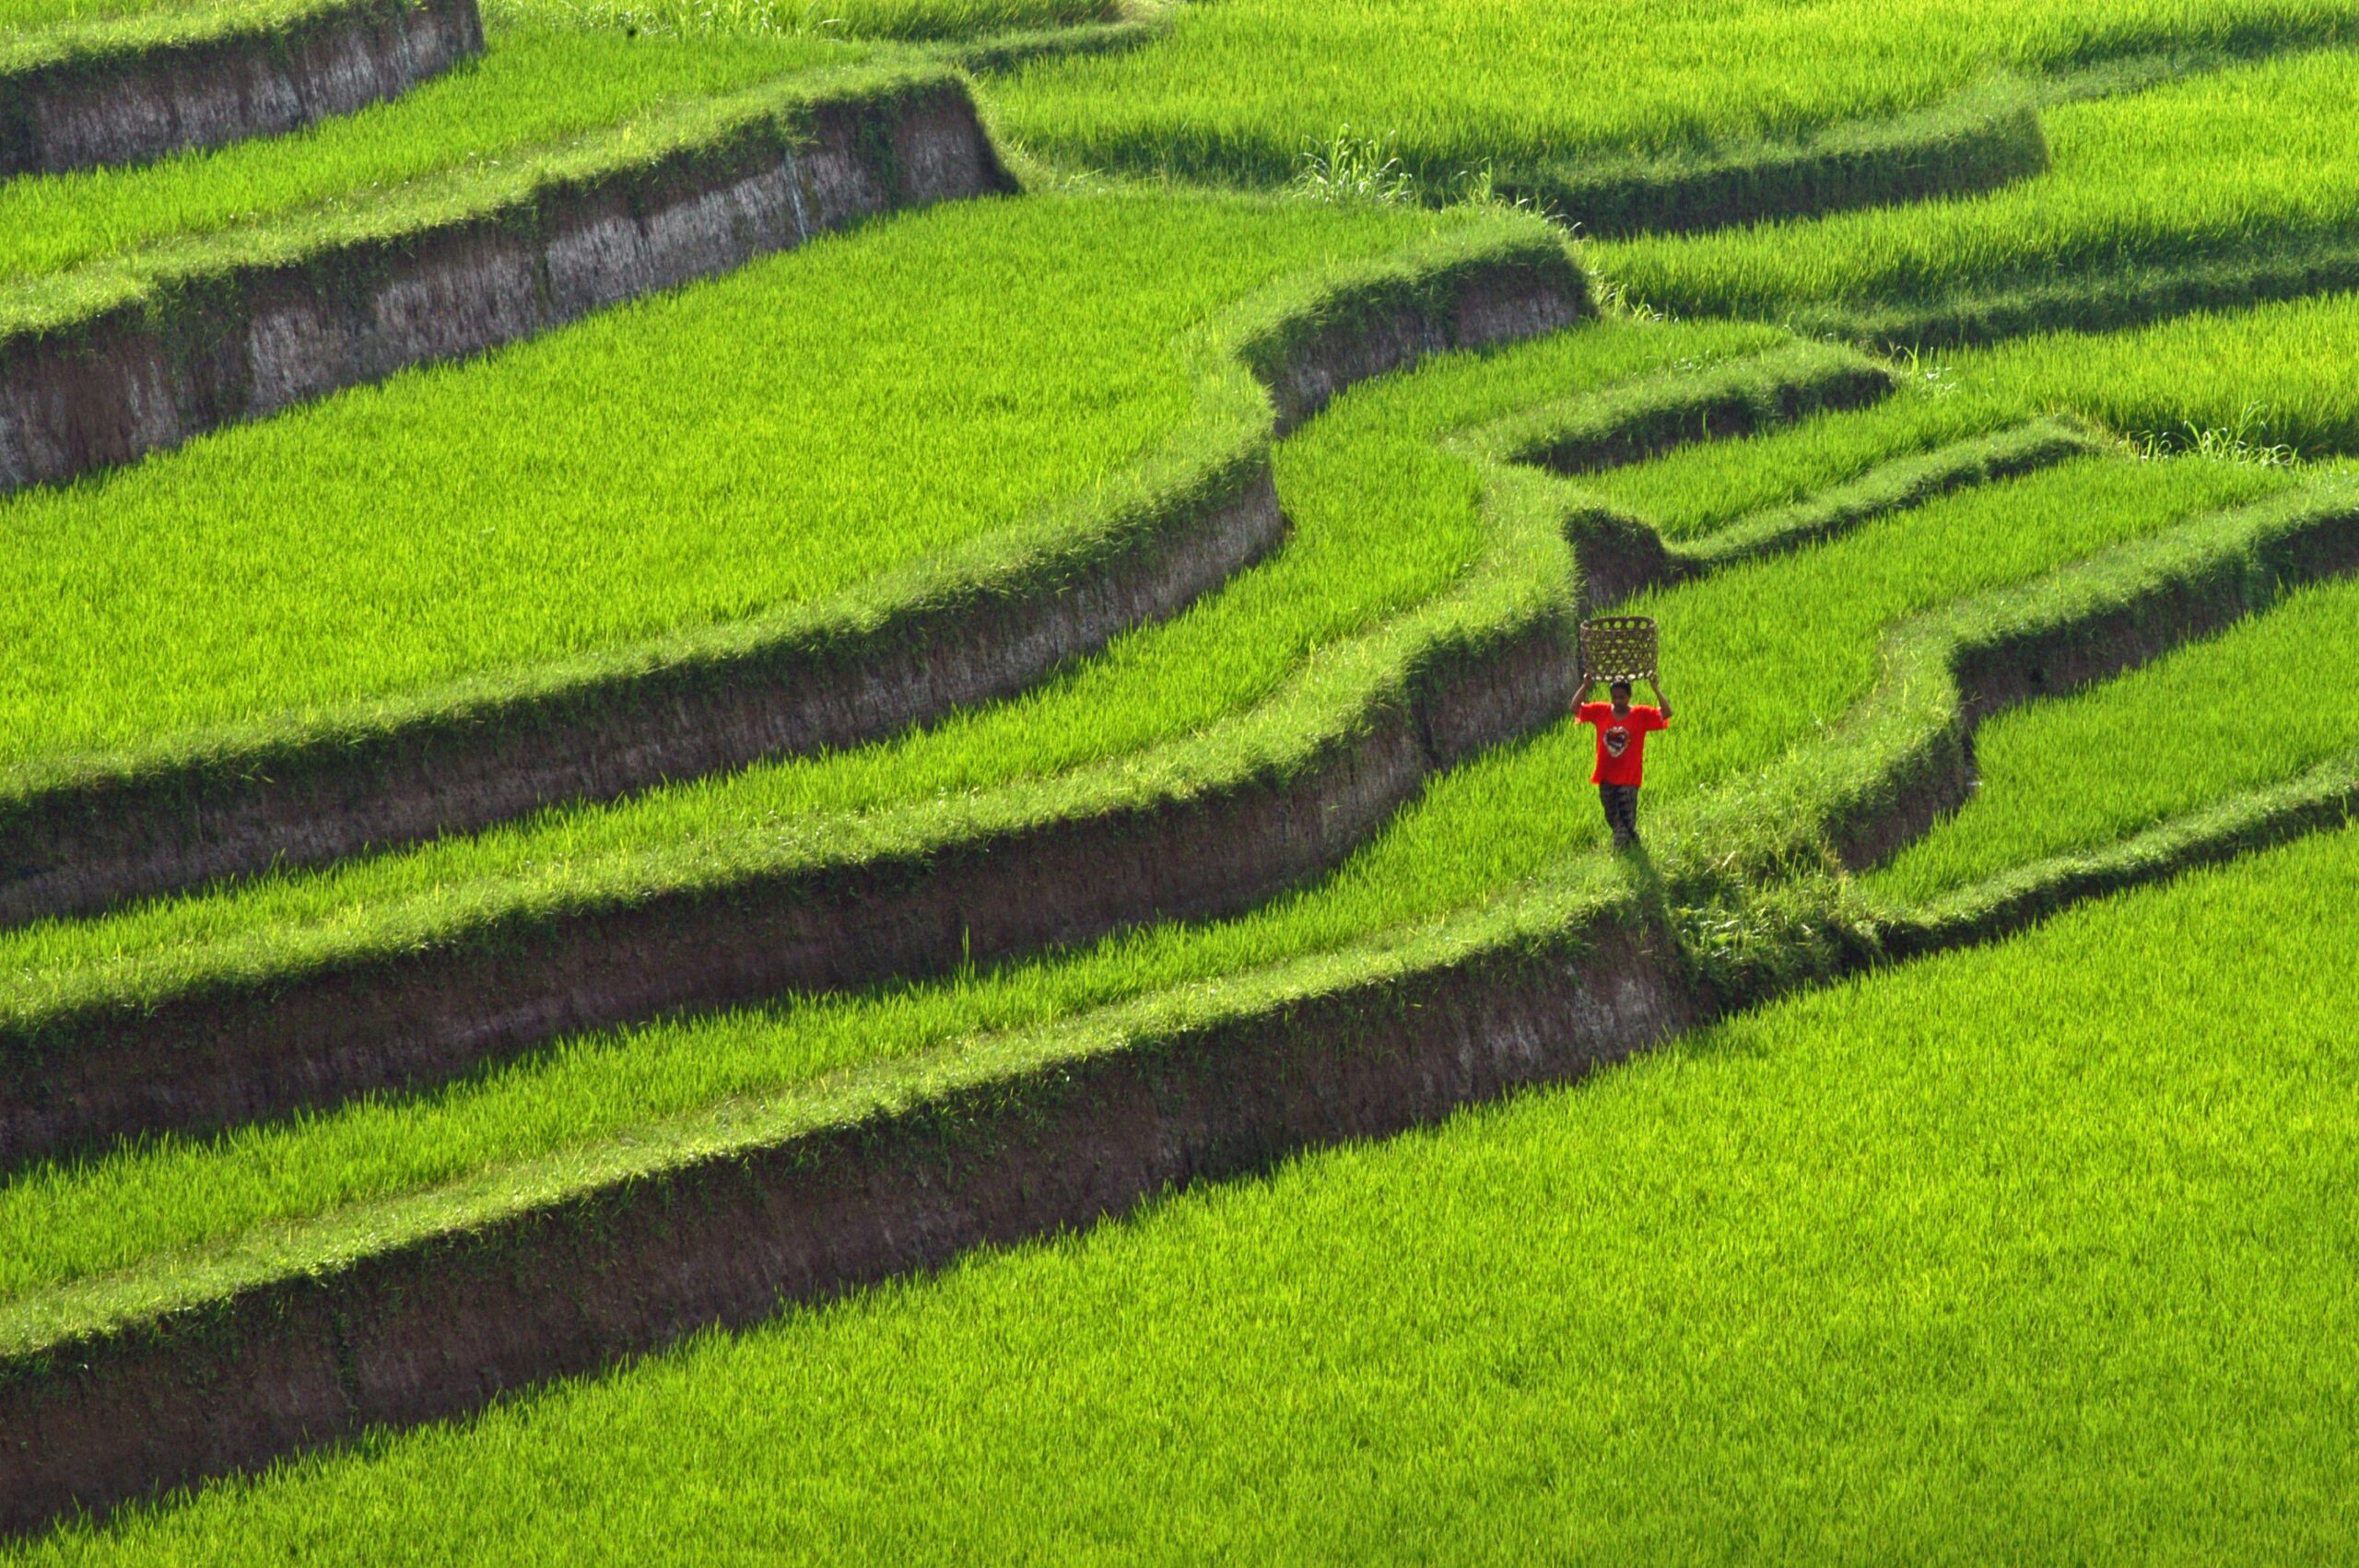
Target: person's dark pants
(1621, 804)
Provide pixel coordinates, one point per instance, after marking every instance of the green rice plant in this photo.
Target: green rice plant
(2214, 174)
(40, 28)
(1348, 167)
(1288, 662)
(912, 20)
(2213, 721)
(1234, 90)
(536, 88)
(2019, 1251)
(1695, 491)
(584, 499)
(2277, 378)
(1775, 650)
(36, 34)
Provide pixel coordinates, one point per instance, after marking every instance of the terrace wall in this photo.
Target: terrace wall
(259, 335)
(90, 108)
(442, 1326)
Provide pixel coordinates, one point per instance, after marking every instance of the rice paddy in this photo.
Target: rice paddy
(1477, 834)
(536, 86)
(2032, 1249)
(1239, 90)
(580, 498)
(2211, 722)
(2203, 172)
(1832, 1280)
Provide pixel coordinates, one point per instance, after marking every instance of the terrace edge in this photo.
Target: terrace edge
(444, 1324)
(100, 102)
(441, 1324)
(115, 831)
(1977, 142)
(269, 323)
(211, 1055)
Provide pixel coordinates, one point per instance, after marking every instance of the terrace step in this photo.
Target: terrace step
(259, 323)
(128, 91)
(416, 1312)
(87, 836)
(1980, 141)
(1027, 866)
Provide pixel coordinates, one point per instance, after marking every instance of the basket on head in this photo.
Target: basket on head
(1618, 648)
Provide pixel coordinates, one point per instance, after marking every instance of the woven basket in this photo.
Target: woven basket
(1618, 648)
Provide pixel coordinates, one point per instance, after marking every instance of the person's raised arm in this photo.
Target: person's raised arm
(1582, 687)
(1662, 703)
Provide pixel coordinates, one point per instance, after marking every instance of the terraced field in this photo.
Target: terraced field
(613, 740)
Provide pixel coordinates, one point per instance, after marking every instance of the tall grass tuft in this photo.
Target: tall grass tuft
(1351, 167)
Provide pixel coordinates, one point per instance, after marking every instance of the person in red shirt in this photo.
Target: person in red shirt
(1621, 733)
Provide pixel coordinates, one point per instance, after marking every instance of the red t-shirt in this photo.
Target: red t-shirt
(1621, 742)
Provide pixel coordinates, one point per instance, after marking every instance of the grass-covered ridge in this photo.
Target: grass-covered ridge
(436, 187)
(1628, 1313)
(2213, 721)
(1467, 868)
(1239, 90)
(37, 35)
(301, 566)
(2151, 194)
(913, 20)
(538, 85)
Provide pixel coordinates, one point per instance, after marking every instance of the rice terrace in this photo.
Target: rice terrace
(1486, 780)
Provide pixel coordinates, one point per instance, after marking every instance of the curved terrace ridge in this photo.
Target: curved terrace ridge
(108, 363)
(973, 626)
(1022, 865)
(422, 1309)
(128, 89)
(1200, 826)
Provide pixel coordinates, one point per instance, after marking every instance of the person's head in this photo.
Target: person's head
(1620, 692)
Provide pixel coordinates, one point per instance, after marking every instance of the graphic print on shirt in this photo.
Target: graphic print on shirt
(1617, 741)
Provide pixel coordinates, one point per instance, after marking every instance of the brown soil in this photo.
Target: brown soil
(81, 114)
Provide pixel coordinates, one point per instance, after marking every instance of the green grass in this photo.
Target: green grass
(2244, 162)
(23, 15)
(37, 31)
(2273, 374)
(861, 406)
(923, 20)
(1696, 490)
(2019, 1253)
(34, 27)
(2015, 1253)
(2253, 707)
(1761, 658)
(1239, 89)
(1287, 656)
(535, 86)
